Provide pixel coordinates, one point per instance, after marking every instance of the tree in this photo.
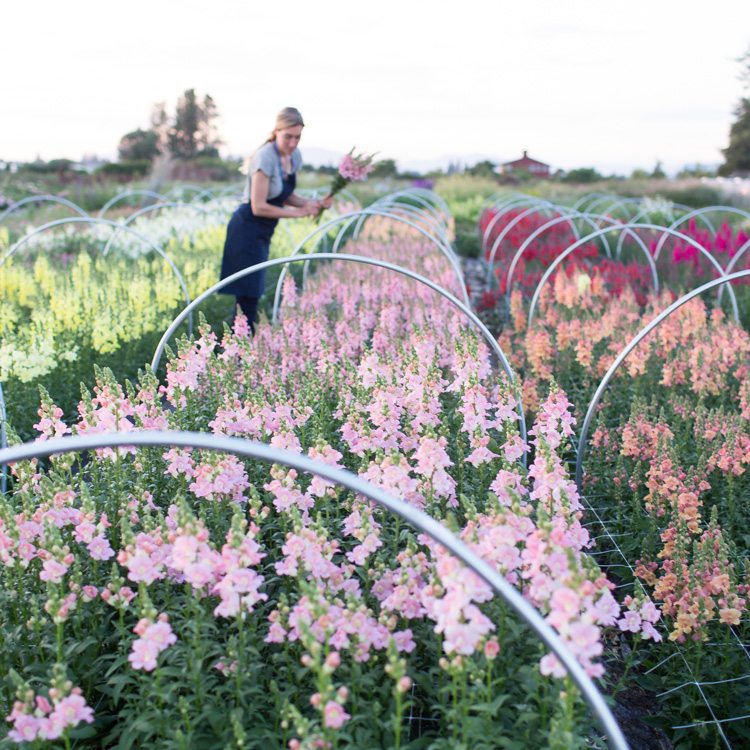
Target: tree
(208, 134)
(737, 153)
(182, 138)
(139, 145)
(582, 175)
(191, 133)
(658, 172)
(484, 168)
(639, 174)
(385, 168)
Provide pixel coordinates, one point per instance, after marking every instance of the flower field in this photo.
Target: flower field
(190, 598)
(80, 295)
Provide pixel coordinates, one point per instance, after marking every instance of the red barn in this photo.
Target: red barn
(526, 164)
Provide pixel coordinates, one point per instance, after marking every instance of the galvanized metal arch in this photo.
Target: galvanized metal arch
(360, 217)
(439, 210)
(696, 213)
(430, 195)
(465, 309)
(557, 220)
(130, 194)
(417, 518)
(588, 197)
(389, 203)
(637, 217)
(500, 195)
(572, 248)
(149, 209)
(41, 198)
(349, 195)
(733, 262)
(629, 348)
(3, 440)
(435, 219)
(616, 203)
(515, 220)
(322, 230)
(432, 217)
(205, 193)
(196, 189)
(394, 210)
(433, 225)
(111, 224)
(651, 260)
(499, 213)
(237, 187)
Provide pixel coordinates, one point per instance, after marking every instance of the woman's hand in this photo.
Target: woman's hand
(327, 202)
(309, 209)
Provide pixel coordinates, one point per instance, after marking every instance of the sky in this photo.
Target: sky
(615, 85)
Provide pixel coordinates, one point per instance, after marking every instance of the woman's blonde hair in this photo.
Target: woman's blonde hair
(288, 117)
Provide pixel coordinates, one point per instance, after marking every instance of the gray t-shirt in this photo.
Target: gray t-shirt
(266, 160)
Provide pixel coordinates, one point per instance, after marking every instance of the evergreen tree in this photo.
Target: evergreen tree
(737, 153)
(192, 132)
(183, 135)
(208, 137)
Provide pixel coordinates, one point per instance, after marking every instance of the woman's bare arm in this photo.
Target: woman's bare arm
(261, 207)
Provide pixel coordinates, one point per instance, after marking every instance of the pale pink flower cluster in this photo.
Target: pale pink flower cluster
(355, 167)
(155, 637)
(43, 718)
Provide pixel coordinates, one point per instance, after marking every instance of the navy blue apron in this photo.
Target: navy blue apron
(248, 242)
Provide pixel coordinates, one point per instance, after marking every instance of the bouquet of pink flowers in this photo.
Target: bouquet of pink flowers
(353, 168)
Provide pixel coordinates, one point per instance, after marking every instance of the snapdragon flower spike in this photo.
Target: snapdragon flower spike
(41, 717)
(154, 637)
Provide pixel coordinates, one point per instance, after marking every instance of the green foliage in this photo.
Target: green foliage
(737, 153)
(139, 145)
(134, 168)
(192, 132)
(47, 167)
(582, 175)
(695, 195)
(483, 169)
(384, 168)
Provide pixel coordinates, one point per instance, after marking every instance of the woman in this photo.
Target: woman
(269, 196)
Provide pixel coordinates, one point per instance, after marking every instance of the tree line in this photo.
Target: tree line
(190, 132)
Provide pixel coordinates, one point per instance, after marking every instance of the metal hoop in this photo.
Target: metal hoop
(197, 190)
(552, 222)
(37, 198)
(629, 348)
(507, 206)
(696, 213)
(588, 197)
(363, 215)
(733, 262)
(148, 209)
(515, 220)
(129, 194)
(109, 223)
(489, 338)
(650, 259)
(416, 518)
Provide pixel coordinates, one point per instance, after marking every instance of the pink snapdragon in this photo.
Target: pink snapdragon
(155, 637)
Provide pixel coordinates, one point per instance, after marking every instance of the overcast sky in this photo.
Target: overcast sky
(614, 85)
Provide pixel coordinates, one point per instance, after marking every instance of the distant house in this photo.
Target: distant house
(526, 164)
